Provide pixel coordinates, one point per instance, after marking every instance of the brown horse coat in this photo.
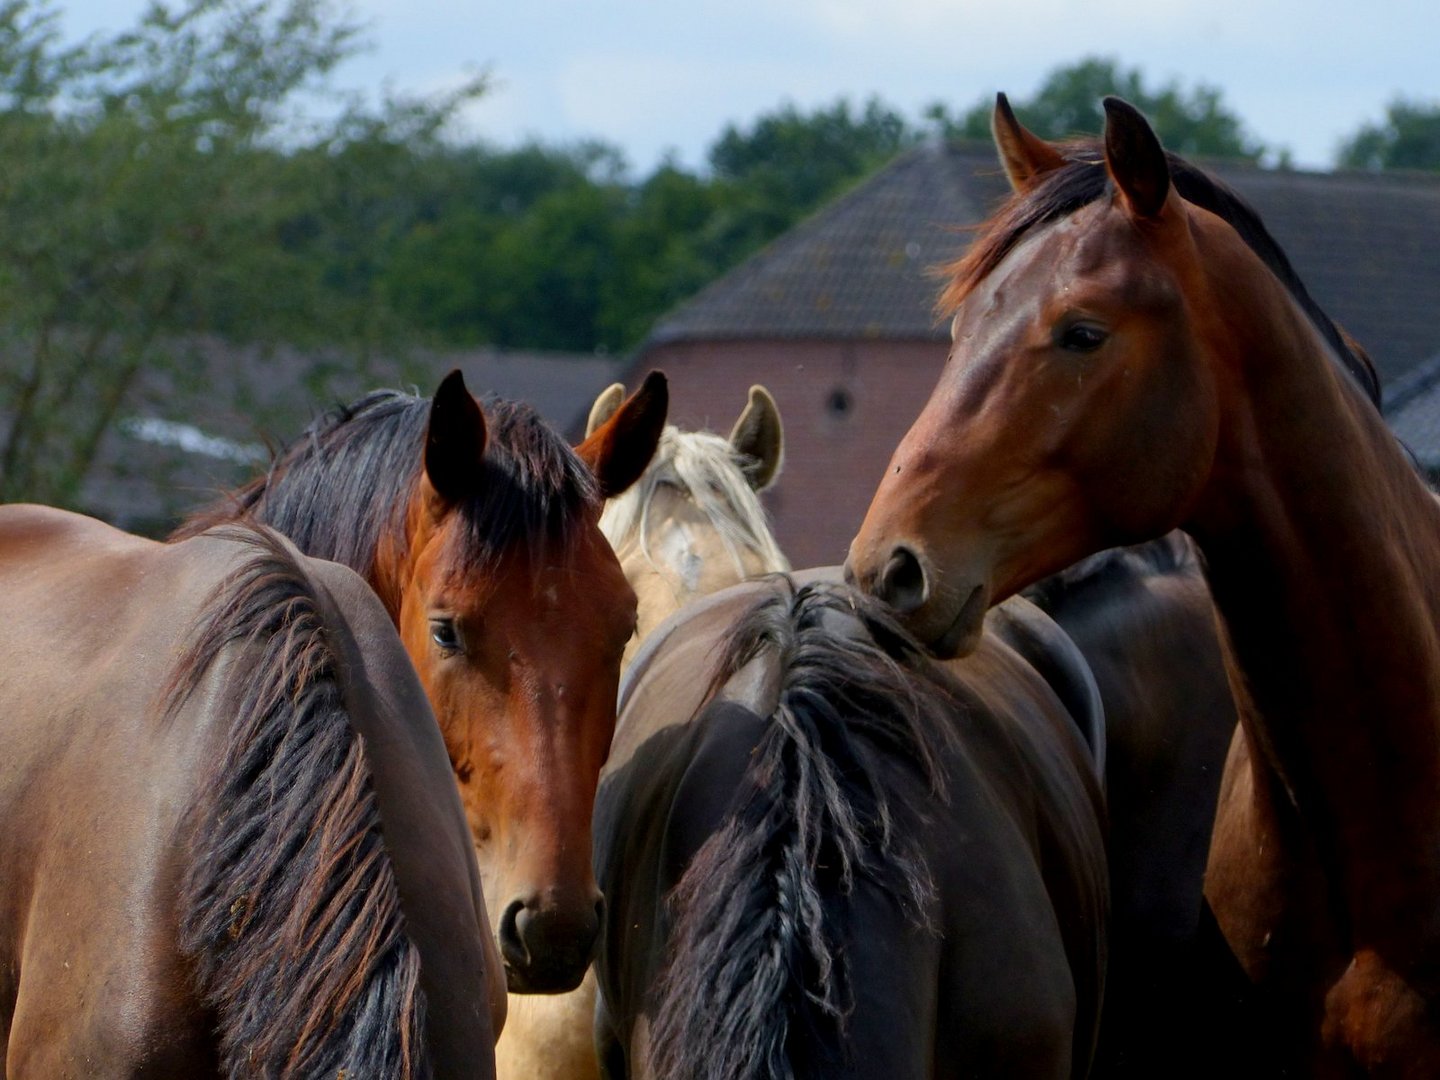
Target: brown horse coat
(163, 913)
(1133, 356)
(478, 527)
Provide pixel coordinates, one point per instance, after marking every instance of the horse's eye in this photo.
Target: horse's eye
(445, 635)
(1081, 337)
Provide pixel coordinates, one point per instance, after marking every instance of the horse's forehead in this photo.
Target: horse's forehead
(1095, 247)
(545, 571)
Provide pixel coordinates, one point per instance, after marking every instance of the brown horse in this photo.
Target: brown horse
(1143, 619)
(228, 840)
(478, 528)
(1125, 362)
(825, 856)
(690, 526)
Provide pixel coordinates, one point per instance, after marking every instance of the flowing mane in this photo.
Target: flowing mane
(290, 910)
(754, 972)
(1082, 181)
(703, 466)
(341, 490)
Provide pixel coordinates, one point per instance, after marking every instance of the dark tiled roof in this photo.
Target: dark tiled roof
(858, 267)
(1366, 245)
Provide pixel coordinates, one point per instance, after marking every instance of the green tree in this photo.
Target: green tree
(666, 250)
(506, 246)
(790, 162)
(1408, 138)
(547, 247)
(1193, 122)
(143, 196)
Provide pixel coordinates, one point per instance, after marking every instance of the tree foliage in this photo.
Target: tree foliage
(1408, 138)
(555, 248)
(144, 194)
(1192, 122)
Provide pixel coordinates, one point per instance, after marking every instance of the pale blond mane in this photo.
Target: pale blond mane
(706, 468)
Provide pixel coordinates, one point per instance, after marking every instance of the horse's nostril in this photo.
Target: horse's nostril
(902, 581)
(511, 936)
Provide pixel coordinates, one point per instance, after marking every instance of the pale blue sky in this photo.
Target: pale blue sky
(653, 77)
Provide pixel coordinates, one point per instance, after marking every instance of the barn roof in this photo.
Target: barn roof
(857, 268)
(1366, 244)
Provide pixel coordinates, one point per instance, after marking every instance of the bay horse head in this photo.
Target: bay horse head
(515, 612)
(479, 529)
(694, 523)
(1092, 357)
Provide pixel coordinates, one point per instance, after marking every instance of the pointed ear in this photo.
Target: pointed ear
(619, 449)
(1135, 159)
(1025, 155)
(604, 407)
(454, 440)
(759, 439)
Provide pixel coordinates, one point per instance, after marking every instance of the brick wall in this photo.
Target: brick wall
(845, 406)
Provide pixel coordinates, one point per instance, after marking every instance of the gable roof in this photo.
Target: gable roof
(859, 267)
(1367, 245)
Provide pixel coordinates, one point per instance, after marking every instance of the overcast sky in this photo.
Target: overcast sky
(656, 77)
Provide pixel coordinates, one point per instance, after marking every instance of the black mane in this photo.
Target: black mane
(755, 980)
(345, 485)
(1084, 180)
(290, 911)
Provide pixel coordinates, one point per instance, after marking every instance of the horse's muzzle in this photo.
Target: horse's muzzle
(547, 948)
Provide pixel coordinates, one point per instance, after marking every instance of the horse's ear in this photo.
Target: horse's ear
(759, 438)
(1025, 155)
(619, 449)
(1135, 159)
(454, 440)
(604, 407)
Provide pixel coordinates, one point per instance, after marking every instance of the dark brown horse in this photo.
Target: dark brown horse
(1143, 619)
(1127, 362)
(478, 528)
(826, 856)
(228, 839)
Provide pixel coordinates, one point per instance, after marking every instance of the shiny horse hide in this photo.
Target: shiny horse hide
(229, 844)
(1133, 353)
(827, 856)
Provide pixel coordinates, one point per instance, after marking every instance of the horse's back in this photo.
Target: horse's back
(113, 739)
(93, 797)
(1025, 867)
(1002, 972)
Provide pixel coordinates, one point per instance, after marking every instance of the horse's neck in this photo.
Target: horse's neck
(1323, 553)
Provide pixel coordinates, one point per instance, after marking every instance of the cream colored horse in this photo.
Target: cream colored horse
(691, 525)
